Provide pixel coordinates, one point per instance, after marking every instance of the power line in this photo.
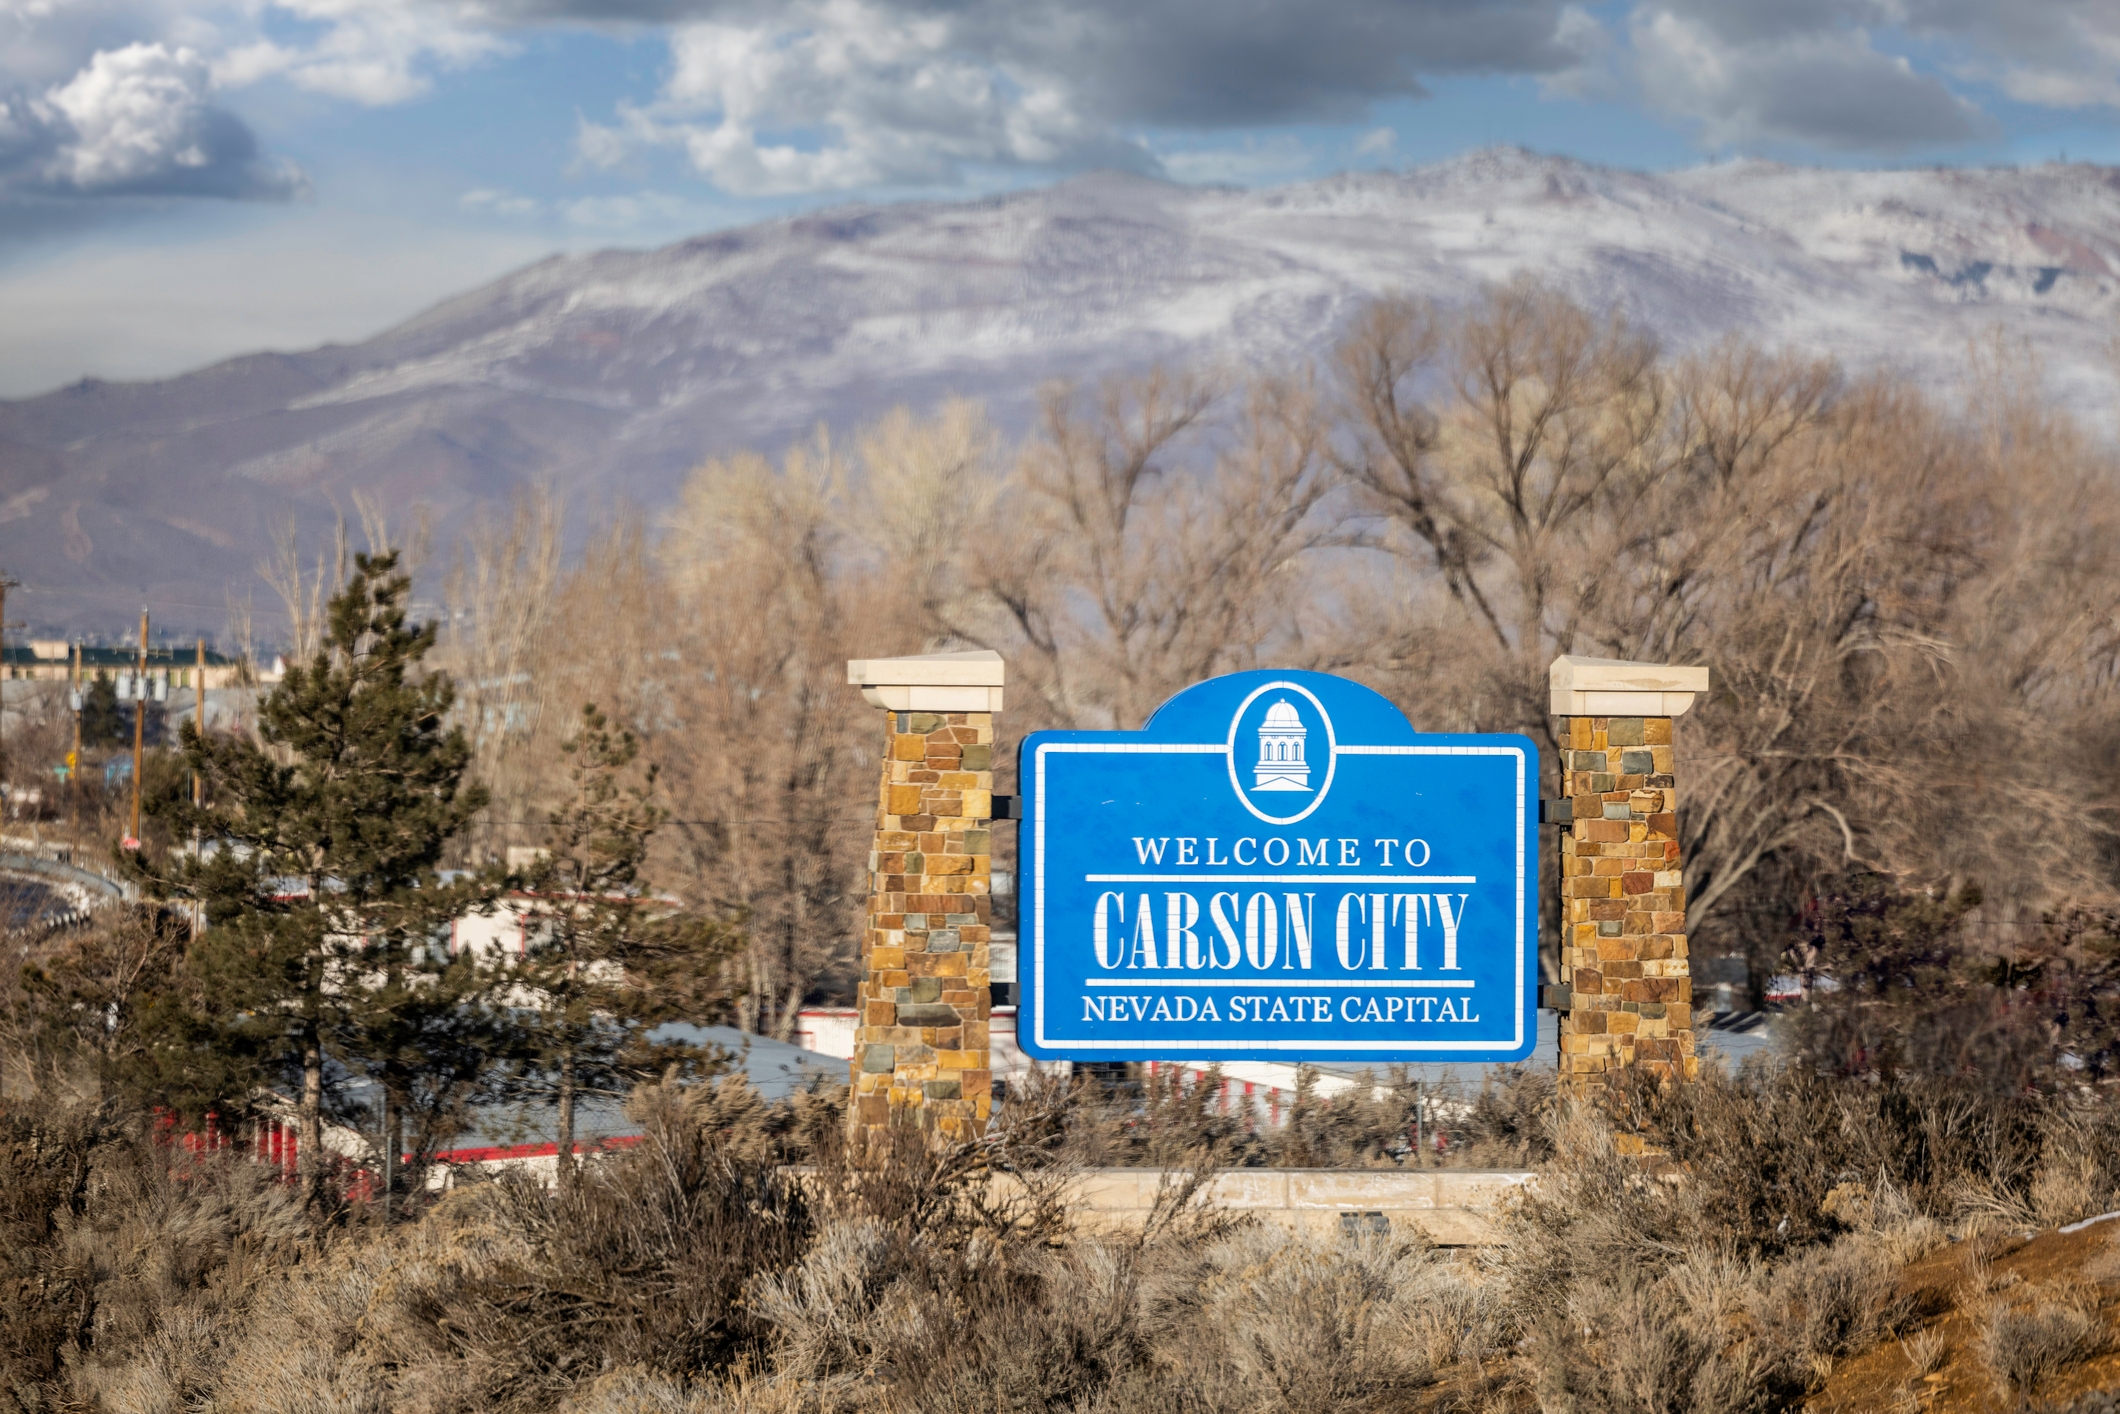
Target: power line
(150, 599)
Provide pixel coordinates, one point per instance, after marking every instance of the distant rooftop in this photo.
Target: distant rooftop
(54, 651)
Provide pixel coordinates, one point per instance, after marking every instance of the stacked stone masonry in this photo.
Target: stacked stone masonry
(1623, 947)
(921, 1057)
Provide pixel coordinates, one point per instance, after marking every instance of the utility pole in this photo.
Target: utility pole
(73, 762)
(199, 720)
(198, 787)
(6, 583)
(132, 837)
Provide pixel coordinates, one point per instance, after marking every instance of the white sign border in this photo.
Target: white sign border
(1178, 1048)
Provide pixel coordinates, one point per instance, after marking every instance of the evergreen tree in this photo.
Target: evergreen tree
(107, 721)
(84, 999)
(324, 904)
(426, 1034)
(607, 961)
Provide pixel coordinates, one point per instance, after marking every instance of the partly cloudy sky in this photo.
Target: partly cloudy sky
(182, 180)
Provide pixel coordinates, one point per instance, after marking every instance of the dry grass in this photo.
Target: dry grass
(1834, 1301)
(2026, 1344)
(695, 1272)
(2096, 1402)
(1925, 1351)
(1171, 1119)
(698, 1272)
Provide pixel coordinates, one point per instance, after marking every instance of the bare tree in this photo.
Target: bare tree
(1886, 592)
(500, 606)
(768, 769)
(1139, 546)
(927, 492)
(304, 590)
(1548, 428)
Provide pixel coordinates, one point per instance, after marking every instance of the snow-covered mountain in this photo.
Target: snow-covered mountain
(611, 374)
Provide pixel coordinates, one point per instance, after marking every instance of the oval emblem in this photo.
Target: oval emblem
(1281, 753)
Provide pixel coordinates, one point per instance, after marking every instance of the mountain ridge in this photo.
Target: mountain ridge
(608, 374)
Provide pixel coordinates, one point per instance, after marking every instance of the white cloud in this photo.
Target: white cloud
(1747, 75)
(1278, 157)
(602, 147)
(135, 112)
(847, 93)
(496, 202)
(815, 95)
(2054, 54)
(372, 52)
(1377, 142)
(1815, 72)
(365, 51)
(631, 213)
(1597, 74)
(644, 215)
(767, 97)
(2057, 88)
(134, 120)
(104, 98)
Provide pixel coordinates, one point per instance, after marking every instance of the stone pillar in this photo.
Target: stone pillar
(921, 1057)
(1627, 991)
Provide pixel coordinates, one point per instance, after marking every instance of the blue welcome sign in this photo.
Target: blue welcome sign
(1278, 867)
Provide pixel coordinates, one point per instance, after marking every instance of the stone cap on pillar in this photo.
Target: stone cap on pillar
(931, 682)
(1614, 687)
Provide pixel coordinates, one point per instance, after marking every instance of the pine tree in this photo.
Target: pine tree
(609, 961)
(103, 721)
(324, 904)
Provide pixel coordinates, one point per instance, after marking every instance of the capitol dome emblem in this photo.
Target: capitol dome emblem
(1281, 752)
(1281, 765)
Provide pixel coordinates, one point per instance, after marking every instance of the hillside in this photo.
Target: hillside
(608, 375)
